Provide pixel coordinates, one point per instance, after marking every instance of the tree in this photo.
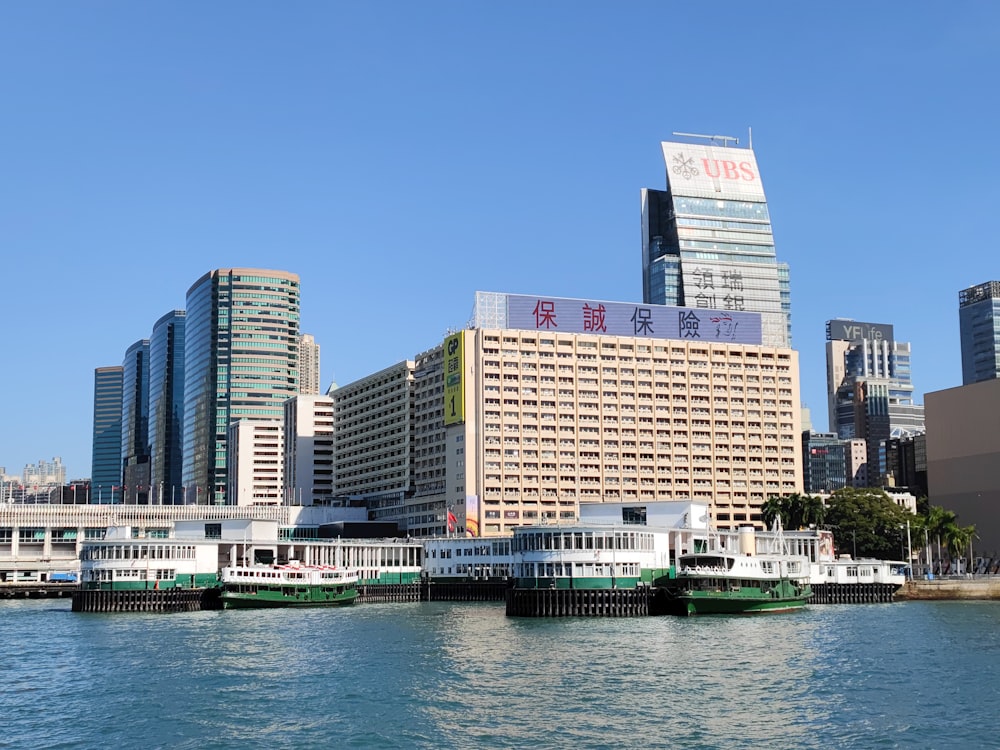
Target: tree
(867, 522)
(773, 508)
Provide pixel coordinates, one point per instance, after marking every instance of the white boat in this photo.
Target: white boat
(740, 580)
(291, 585)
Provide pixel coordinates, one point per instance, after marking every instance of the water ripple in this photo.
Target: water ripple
(463, 675)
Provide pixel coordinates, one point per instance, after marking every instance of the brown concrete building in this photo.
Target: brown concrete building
(963, 457)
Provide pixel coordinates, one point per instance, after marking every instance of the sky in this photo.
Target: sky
(401, 156)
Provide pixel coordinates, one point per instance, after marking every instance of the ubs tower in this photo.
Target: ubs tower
(241, 344)
(707, 240)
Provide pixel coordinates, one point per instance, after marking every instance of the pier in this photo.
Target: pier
(578, 602)
(853, 593)
(169, 600)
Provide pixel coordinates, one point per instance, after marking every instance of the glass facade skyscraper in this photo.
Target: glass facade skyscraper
(166, 407)
(241, 362)
(106, 461)
(135, 422)
(979, 330)
(707, 239)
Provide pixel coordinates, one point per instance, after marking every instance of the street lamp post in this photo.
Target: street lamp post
(909, 549)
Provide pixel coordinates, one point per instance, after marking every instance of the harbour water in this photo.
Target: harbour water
(442, 675)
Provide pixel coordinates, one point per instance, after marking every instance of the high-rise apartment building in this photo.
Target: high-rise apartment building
(308, 365)
(135, 423)
(979, 330)
(241, 363)
(308, 461)
(106, 462)
(44, 473)
(166, 408)
(869, 388)
(707, 240)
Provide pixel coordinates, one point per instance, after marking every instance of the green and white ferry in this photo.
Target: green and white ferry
(741, 580)
(291, 585)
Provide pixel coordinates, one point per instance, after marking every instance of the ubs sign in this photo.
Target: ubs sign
(853, 330)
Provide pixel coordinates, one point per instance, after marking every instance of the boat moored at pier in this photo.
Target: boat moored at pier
(741, 580)
(291, 585)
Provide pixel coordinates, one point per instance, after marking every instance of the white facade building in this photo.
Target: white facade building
(309, 448)
(255, 459)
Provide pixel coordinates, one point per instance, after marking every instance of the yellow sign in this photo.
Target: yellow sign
(454, 389)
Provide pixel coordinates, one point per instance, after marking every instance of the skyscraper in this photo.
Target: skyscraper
(869, 389)
(135, 423)
(106, 461)
(707, 239)
(308, 365)
(979, 330)
(166, 407)
(241, 362)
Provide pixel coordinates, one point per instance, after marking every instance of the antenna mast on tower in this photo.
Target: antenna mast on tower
(724, 138)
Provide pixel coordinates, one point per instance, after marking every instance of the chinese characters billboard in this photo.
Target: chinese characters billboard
(630, 319)
(454, 389)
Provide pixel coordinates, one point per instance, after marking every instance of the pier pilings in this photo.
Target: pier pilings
(167, 600)
(578, 602)
(853, 593)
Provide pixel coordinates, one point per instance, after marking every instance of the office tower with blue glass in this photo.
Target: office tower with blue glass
(241, 362)
(979, 330)
(135, 423)
(166, 408)
(707, 240)
(106, 460)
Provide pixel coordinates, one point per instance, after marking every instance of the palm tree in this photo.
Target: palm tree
(774, 507)
(813, 511)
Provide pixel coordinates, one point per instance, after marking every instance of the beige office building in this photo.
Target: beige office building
(512, 427)
(553, 420)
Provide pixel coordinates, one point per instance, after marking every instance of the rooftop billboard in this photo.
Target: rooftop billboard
(526, 312)
(705, 170)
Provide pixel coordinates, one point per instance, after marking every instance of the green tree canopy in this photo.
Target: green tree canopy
(796, 511)
(866, 522)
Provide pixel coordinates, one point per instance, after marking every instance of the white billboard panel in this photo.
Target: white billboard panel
(707, 171)
(632, 319)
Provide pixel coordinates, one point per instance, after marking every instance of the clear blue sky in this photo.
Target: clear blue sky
(400, 156)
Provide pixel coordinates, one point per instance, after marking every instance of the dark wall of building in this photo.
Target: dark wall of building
(360, 530)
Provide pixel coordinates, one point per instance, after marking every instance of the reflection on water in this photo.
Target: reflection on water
(464, 675)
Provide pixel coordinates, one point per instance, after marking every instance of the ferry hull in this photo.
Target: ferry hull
(722, 605)
(273, 599)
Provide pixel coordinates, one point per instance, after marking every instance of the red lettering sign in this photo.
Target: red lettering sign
(728, 170)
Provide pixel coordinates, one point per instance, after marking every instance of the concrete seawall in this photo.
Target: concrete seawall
(951, 588)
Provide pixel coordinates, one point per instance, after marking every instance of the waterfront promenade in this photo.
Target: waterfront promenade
(973, 588)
